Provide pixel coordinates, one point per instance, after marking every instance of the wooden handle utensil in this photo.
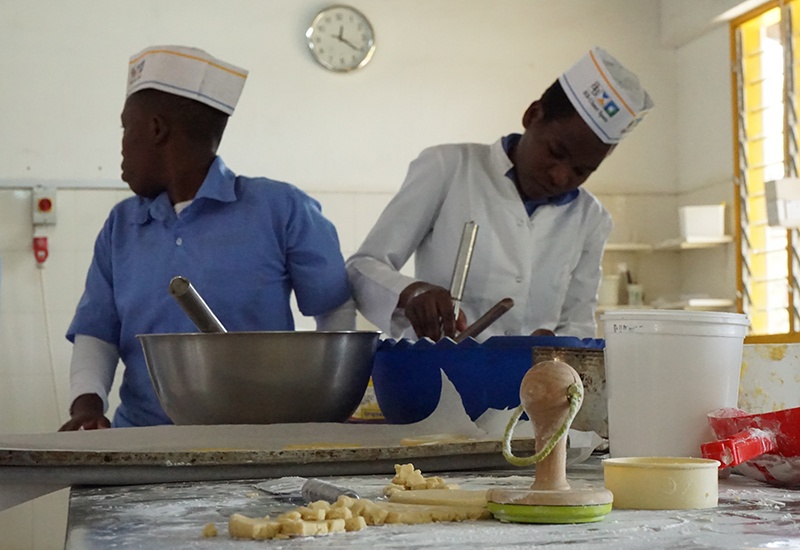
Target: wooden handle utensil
(497, 311)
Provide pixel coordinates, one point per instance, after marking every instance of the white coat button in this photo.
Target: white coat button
(508, 333)
(519, 223)
(519, 279)
(179, 241)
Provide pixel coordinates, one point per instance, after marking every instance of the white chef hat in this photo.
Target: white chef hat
(187, 72)
(606, 95)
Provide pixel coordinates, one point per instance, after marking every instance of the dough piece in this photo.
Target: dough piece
(209, 531)
(348, 514)
(310, 514)
(392, 488)
(336, 525)
(339, 512)
(320, 505)
(266, 530)
(356, 523)
(441, 497)
(372, 512)
(243, 527)
(411, 514)
(343, 501)
(408, 478)
(301, 528)
(402, 471)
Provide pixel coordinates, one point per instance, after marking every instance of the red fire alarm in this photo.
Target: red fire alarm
(44, 205)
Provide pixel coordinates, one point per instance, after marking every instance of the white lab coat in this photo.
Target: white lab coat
(548, 263)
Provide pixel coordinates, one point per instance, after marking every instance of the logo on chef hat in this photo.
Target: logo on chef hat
(135, 72)
(604, 101)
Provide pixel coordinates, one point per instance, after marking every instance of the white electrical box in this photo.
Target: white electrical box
(783, 202)
(44, 205)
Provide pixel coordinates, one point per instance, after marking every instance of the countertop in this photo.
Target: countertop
(172, 515)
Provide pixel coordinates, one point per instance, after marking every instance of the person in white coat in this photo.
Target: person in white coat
(540, 235)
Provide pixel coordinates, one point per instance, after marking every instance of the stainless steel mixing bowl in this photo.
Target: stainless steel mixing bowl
(259, 377)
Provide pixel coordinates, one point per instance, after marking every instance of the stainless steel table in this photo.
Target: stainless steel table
(172, 515)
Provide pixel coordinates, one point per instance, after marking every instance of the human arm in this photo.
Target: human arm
(316, 266)
(381, 291)
(94, 332)
(578, 311)
(342, 318)
(91, 375)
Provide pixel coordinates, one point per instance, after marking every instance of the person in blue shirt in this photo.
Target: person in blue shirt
(245, 243)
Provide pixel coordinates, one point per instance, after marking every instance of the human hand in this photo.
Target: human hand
(86, 413)
(429, 309)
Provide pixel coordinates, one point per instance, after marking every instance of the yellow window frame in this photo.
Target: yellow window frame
(767, 262)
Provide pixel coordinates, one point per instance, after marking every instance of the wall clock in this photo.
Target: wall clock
(341, 38)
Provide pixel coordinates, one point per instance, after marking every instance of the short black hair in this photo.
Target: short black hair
(201, 123)
(556, 104)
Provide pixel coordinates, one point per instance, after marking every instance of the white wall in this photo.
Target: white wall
(444, 70)
(705, 151)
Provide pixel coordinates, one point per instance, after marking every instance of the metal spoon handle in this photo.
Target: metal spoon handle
(194, 306)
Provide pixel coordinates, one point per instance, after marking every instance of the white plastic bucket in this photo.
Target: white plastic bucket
(665, 371)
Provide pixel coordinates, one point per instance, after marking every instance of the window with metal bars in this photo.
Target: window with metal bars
(766, 130)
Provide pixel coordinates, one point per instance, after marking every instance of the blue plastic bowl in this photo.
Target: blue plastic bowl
(408, 384)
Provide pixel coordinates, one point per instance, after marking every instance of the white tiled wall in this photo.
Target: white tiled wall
(35, 309)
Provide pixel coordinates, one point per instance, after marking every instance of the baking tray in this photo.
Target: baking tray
(209, 453)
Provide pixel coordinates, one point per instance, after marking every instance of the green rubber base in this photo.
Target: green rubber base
(524, 513)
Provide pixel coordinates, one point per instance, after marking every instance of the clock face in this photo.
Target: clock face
(341, 39)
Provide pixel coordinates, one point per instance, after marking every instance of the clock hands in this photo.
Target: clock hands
(341, 38)
(350, 44)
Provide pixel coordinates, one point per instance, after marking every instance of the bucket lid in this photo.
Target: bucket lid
(678, 315)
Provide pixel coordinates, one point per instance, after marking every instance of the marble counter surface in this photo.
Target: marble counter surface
(172, 515)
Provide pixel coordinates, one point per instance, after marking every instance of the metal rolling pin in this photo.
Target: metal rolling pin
(316, 489)
(463, 260)
(194, 306)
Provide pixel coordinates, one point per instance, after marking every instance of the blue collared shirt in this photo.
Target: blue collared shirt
(509, 142)
(244, 243)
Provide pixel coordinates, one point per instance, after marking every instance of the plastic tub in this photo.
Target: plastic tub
(662, 483)
(665, 371)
